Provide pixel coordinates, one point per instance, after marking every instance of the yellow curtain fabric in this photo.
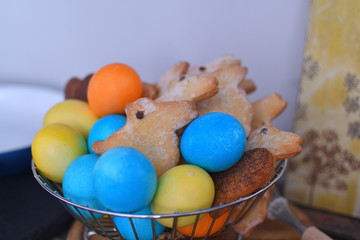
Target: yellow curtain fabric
(326, 175)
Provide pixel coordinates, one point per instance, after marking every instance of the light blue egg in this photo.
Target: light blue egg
(78, 185)
(214, 142)
(143, 227)
(104, 127)
(125, 179)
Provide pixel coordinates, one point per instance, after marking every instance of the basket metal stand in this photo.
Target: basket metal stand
(105, 226)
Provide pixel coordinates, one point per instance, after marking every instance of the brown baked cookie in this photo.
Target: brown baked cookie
(251, 173)
(280, 143)
(248, 85)
(77, 89)
(190, 88)
(214, 65)
(149, 90)
(266, 109)
(150, 128)
(175, 72)
(230, 99)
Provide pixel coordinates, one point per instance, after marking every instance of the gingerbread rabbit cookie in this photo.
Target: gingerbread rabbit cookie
(281, 144)
(150, 128)
(230, 99)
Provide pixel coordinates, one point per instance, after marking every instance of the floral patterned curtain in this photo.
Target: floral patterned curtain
(326, 174)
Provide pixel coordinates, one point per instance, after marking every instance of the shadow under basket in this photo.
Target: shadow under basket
(105, 226)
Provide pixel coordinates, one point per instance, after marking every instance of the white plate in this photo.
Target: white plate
(22, 110)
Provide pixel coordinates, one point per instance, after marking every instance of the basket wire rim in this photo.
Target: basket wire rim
(279, 171)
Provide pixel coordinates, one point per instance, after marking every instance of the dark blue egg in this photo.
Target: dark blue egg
(104, 127)
(214, 142)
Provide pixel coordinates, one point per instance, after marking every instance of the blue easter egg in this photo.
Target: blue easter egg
(125, 179)
(78, 185)
(104, 127)
(214, 142)
(143, 226)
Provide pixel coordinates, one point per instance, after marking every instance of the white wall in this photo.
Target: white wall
(48, 42)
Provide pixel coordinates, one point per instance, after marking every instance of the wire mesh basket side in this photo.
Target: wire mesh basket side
(102, 222)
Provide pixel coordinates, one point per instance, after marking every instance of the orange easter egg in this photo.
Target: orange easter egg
(112, 87)
(203, 226)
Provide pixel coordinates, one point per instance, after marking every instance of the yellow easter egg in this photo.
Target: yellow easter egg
(183, 188)
(74, 113)
(54, 147)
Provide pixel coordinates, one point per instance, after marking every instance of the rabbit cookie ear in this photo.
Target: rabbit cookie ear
(248, 85)
(266, 109)
(214, 65)
(175, 72)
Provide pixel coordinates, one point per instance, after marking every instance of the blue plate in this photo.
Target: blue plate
(22, 109)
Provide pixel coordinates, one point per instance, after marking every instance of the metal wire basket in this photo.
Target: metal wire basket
(105, 226)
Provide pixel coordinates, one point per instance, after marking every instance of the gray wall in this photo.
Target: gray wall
(48, 42)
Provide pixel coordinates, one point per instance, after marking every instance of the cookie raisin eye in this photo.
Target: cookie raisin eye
(182, 78)
(263, 131)
(140, 115)
(202, 68)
